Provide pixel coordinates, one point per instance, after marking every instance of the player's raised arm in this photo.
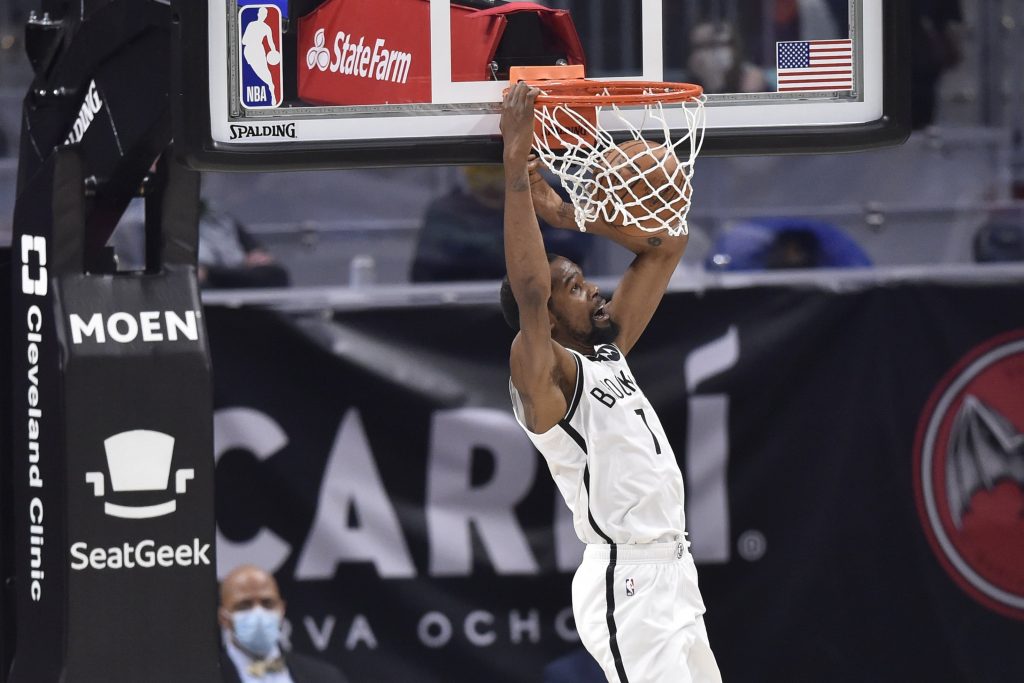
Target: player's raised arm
(645, 281)
(538, 365)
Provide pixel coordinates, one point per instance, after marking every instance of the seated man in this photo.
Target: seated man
(999, 242)
(251, 610)
(461, 235)
(784, 243)
(230, 257)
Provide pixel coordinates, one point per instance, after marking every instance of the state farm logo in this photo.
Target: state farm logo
(354, 56)
(139, 461)
(969, 473)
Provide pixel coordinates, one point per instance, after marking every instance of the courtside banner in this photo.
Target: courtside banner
(852, 463)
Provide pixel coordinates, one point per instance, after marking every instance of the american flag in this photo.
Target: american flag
(815, 65)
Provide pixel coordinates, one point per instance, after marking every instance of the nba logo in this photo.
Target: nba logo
(259, 47)
(630, 587)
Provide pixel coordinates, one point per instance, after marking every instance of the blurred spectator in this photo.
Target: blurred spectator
(935, 49)
(230, 257)
(578, 666)
(790, 20)
(806, 20)
(935, 44)
(461, 236)
(999, 242)
(250, 614)
(784, 243)
(717, 61)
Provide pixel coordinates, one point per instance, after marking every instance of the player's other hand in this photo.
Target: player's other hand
(546, 202)
(517, 121)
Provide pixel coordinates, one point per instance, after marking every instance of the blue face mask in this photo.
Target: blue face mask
(257, 630)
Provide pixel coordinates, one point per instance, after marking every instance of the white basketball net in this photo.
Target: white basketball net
(642, 199)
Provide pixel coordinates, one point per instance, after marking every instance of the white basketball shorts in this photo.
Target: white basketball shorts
(639, 612)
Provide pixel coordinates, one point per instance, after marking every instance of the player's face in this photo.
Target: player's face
(578, 308)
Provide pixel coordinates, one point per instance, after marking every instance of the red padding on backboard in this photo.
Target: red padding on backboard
(558, 21)
(353, 52)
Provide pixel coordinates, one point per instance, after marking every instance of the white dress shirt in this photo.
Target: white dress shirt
(242, 660)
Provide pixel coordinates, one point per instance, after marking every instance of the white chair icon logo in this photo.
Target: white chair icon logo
(139, 460)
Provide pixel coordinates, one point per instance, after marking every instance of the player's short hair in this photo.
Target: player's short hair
(509, 305)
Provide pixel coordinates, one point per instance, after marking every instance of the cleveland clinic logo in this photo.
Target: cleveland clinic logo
(139, 461)
(969, 473)
(33, 276)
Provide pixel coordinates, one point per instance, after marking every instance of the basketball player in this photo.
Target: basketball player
(635, 598)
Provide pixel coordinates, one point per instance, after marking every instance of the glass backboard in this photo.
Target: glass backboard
(280, 84)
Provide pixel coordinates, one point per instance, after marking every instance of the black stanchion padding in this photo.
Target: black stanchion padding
(6, 540)
(125, 588)
(37, 438)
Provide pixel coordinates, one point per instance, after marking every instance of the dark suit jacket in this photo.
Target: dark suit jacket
(302, 669)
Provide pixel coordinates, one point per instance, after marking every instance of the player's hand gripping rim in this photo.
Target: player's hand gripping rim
(517, 121)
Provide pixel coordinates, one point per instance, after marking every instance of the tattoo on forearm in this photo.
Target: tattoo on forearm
(566, 211)
(654, 241)
(521, 183)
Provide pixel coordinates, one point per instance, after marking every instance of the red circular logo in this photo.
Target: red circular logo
(969, 473)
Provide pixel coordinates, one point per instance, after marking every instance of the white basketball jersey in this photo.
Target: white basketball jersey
(610, 458)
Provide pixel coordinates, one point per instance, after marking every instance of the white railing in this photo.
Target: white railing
(323, 300)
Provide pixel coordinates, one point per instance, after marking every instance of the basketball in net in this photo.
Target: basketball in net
(638, 186)
(648, 185)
